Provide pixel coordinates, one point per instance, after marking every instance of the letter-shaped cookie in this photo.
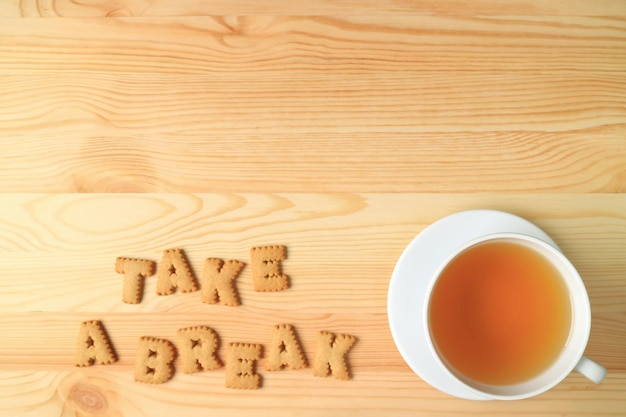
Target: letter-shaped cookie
(135, 271)
(330, 355)
(94, 347)
(240, 366)
(218, 281)
(284, 349)
(153, 364)
(198, 349)
(175, 272)
(266, 268)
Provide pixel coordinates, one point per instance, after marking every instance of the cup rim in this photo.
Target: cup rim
(580, 307)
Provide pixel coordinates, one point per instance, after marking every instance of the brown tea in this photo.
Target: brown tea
(499, 313)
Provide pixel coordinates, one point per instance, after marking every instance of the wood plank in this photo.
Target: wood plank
(68, 8)
(47, 341)
(52, 241)
(346, 107)
(86, 159)
(67, 393)
(318, 44)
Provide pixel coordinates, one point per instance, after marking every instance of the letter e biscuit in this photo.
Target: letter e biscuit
(266, 268)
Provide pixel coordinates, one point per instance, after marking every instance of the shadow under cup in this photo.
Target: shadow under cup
(469, 309)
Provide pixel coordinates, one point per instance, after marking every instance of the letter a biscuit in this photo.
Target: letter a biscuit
(94, 347)
(284, 349)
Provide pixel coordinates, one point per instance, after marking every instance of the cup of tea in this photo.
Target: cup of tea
(508, 316)
(503, 316)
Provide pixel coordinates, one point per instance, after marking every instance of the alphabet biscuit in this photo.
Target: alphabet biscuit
(241, 366)
(218, 281)
(284, 349)
(330, 355)
(135, 271)
(266, 268)
(175, 272)
(94, 346)
(153, 364)
(198, 349)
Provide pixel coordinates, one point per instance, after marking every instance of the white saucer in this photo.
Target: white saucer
(406, 298)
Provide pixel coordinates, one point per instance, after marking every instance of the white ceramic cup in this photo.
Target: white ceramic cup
(571, 356)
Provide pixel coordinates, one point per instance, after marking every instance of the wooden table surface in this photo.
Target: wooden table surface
(339, 128)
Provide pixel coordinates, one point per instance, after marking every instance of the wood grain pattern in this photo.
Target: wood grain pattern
(61, 249)
(275, 45)
(340, 129)
(520, 104)
(127, 8)
(83, 393)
